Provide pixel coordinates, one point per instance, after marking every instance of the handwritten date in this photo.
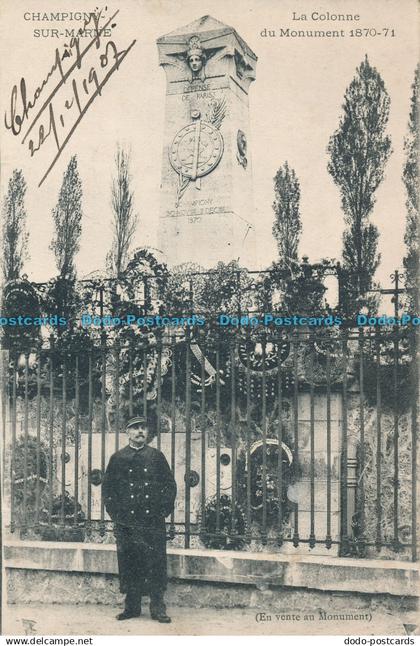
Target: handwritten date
(76, 81)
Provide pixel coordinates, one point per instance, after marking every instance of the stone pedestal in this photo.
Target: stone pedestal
(207, 208)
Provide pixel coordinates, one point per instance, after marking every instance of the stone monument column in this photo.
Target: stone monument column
(207, 208)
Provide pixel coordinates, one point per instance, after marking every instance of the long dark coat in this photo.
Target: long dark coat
(139, 492)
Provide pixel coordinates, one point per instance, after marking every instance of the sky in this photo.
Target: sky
(295, 106)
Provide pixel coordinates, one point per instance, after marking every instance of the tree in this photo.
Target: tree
(411, 181)
(15, 236)
(359, 150)
(292, 285)
(124, 217)
(287, 225)
(67, 217)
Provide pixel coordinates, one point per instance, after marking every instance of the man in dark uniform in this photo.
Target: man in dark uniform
(139, 492)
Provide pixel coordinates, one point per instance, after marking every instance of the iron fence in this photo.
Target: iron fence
(305, 439)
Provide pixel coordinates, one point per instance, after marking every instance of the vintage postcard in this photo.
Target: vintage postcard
(209, 318)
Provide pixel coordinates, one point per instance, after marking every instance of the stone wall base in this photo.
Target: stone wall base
(49, 587)
(50, 572)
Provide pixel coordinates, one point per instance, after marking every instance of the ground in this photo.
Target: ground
(57, 619)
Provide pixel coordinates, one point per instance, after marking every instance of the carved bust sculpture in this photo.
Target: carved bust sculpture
(196, 59)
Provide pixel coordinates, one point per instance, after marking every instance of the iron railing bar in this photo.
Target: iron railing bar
(280, 538)
(89, 446)
(159, 389)
(130, 379)
(378, 446)
(5, 400)
(396, 438)
(264, 444)
(203, 439)
(295, 429)
(25, 441)
(13, 514)
(187, 439)
(63, 440)
(361, 481)
(218, 422)
(328, 538)
(312, 443)
(145, 380)
(38, 438)
(233, 436)
(248, 440)
(344, 455)
(414, 441)
(173, 427)
(117, 393)
(103, 423)
(76, 440)
(51, 432)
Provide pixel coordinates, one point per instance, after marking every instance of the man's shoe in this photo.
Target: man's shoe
(161, 617)
(128, 614)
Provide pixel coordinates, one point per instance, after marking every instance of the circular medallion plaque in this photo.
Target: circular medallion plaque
(196, 150)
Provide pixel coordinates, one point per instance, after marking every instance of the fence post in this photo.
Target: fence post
(414, 440)
(344, 457)
(5, 420)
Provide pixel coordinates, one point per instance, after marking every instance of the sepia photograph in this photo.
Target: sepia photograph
(209, 321)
